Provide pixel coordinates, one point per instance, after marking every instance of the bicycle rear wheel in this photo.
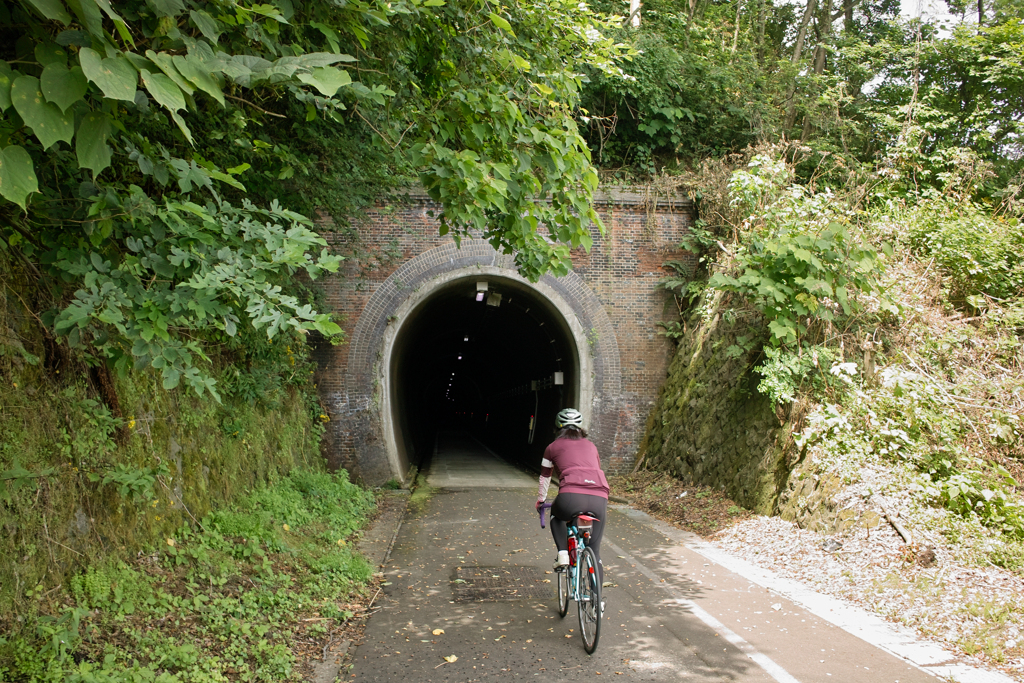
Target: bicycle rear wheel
(563, 591)
(589, 604)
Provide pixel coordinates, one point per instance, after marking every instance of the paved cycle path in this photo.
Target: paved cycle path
(672, 614)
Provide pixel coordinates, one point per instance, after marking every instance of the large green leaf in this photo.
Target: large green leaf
(326, 79)
(52, 9)
(6, 79)
(166, 64)
(63, 86)
(206, 24)
(501, 23)
(119, 24)
(164, 90)
(180, 122)
(17, 175)
(91, 142)
(47, 121)
(191, 68)
(115, 76)
(89, 16)
(50, 53)
(166, 8)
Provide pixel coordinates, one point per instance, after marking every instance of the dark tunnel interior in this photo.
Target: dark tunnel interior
(483, 361)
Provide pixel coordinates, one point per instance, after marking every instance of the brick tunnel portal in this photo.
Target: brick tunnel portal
(407, 295)
(489, 356)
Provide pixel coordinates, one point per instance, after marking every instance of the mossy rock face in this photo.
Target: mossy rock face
(710, 426)
(209, 455)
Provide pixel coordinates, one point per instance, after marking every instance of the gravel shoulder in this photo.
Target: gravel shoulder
(975, 612)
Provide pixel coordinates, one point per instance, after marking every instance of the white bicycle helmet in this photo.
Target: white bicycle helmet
(570, 417)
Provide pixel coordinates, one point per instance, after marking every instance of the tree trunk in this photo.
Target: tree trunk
(736, 28)
(103, 380)
(820, 53)
(797, 51)
(802, 33)
(826, 33)
(634, 13)
(981, 13)
(689, 22)
(762, 17)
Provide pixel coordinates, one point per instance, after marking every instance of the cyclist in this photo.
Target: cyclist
(582, 486)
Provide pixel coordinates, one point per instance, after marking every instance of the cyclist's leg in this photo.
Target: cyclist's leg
(566, 506)
(561, 514)
(599, 506)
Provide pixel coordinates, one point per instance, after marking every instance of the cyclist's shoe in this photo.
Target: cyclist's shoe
(602, 606)
(562, 561)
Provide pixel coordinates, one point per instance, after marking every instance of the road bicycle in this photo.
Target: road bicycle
(581, 580)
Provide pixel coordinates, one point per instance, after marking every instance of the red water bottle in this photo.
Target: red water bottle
(572, 551)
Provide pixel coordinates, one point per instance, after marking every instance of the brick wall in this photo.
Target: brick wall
(612, 292)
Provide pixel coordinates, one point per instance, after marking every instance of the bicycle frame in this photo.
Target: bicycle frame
(574, 566)
(584, 590)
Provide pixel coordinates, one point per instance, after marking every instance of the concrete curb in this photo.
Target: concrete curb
(328, 668)
(897, 640)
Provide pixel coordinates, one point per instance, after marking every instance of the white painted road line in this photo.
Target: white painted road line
(894, 639)
(759, 658)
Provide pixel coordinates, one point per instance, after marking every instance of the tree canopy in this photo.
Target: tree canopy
(161, 161)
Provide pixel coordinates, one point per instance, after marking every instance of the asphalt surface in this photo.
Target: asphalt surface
(672, 614)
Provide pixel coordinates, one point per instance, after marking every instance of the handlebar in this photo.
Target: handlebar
(541, 510)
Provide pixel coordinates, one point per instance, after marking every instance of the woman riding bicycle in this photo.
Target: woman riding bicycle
(582, 486)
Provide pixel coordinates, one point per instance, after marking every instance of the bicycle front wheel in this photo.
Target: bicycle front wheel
(563, 591)
(589, 604)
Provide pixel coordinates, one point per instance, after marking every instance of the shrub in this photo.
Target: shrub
(979, 255)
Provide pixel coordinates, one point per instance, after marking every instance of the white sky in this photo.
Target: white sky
(930, 9)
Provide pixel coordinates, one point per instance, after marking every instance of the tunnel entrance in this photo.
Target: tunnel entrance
(484, 355)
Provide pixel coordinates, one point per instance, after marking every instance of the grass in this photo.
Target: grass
(238, 597)
(422, 492)
(81, 484)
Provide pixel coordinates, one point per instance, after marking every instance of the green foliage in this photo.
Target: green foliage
(785, 375)
(688, 93)
(69, 485)
(909, 422)
(119, 588)
(136, 484)
(798, 263)
(128, 128)
(978, 255)
(180, 618)
(503, 135)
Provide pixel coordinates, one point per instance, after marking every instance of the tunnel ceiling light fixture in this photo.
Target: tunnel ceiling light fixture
(460, 357)
(479, 296)
(481, 286)
(465, 339)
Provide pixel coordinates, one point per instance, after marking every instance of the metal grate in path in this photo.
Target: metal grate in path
(490, 584)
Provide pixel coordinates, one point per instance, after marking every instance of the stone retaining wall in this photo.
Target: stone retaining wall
(710, 426)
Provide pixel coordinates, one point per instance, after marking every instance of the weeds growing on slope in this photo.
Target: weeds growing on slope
(231, 598)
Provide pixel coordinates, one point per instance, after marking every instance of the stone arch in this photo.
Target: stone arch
(367, 391)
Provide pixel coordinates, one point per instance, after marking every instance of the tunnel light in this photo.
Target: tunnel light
(559, 378)
(479, 296)
(460, 357)
(465, 339)
(481, 286)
